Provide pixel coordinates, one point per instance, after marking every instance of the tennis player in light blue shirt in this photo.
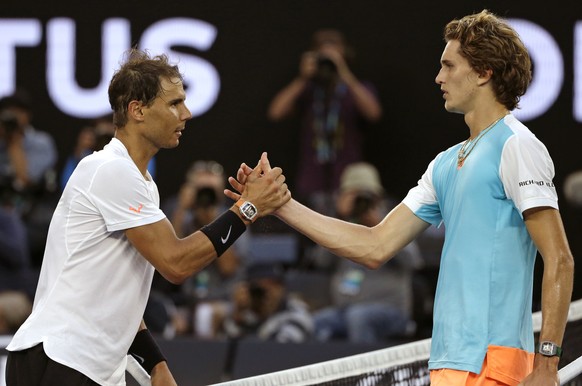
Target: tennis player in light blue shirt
(484, 292)
(495, 196)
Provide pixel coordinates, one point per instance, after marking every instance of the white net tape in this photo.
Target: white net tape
(381, 359)
(571, 371)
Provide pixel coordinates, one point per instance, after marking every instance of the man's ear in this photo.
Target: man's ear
(485, 77)
(135, 110)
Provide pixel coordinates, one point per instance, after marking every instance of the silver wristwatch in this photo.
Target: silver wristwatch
(549, 349)
(247, 210)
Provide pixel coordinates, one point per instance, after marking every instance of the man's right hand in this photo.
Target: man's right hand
(264, 186)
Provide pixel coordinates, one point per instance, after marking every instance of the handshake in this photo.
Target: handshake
(264, 187)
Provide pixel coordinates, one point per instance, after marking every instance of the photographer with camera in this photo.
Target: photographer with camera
(27, 155)
(27, 158)
(368, 306)
(263, 308)
(200, 197)
(334, 108)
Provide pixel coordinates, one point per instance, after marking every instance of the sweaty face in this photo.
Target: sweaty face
(458, 81)
(166, 117)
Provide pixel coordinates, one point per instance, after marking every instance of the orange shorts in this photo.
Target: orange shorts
(503, 366)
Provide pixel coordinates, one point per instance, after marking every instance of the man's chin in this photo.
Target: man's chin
(172, 145)
(452, 109)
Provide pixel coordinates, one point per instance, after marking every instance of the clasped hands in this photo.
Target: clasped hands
(264, 186)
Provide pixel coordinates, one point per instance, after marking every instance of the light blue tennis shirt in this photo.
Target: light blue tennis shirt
(484, 290)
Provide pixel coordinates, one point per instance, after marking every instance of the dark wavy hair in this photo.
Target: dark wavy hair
(138, 78)
(489, 43)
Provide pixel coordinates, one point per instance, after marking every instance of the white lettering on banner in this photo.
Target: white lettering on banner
(62, 86)
(15, 33)
(201, 79)
(548, 76)
(577, 92)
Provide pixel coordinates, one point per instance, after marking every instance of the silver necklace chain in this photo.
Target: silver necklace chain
(470, 144)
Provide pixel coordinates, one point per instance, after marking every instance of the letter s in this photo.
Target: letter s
(201, 80)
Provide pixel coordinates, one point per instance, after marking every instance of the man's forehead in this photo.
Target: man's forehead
(452, 52)
(452, 47)
(170, 86)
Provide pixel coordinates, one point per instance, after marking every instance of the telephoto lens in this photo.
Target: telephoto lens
(205, 197)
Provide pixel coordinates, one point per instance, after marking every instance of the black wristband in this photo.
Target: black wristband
(146, 351)
(224, 231)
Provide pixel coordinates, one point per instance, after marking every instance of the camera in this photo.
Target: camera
(325, 64)
(257, 293)
(205, 197)
(326, 70)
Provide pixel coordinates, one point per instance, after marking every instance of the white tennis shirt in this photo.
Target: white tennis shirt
(94, 284)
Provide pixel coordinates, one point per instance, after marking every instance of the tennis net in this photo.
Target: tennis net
(406, 365)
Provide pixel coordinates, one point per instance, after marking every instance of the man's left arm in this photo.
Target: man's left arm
(151, 358)
(547, 231)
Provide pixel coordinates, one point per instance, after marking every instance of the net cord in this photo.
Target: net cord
(383, 358)
(341, 368)
(570, 371)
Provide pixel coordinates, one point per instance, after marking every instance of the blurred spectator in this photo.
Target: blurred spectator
(27, 175)
(27, 154)
(263, 308)
(573, 188)
(368, 306)
(334, 108)
(200, 197)
(86, 140)
(94, 136)
(16, 271)
(200, 304)
(15, 307)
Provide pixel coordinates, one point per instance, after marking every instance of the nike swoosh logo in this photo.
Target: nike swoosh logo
(225, 239)
(138, 358)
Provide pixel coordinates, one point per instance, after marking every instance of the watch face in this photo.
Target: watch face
(248, 210)
(548, 348)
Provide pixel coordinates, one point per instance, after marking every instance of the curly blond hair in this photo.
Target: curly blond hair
(490, 43)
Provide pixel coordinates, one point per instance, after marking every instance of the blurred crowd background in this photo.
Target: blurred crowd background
(342, 96)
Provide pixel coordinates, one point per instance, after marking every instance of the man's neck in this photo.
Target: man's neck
(482, 118)
(140, 153)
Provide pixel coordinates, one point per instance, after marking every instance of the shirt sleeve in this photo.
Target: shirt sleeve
(527, 173)
(422, 199)
(124, 197)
